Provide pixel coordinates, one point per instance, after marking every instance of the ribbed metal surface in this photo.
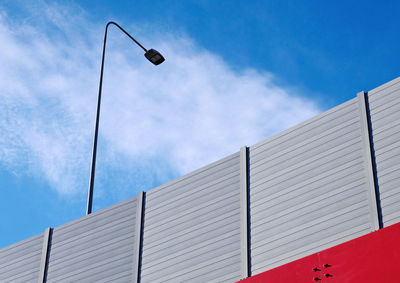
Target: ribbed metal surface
(308, 188)
(384, 103)
(21, 262)
(192, 227)
(95, 248)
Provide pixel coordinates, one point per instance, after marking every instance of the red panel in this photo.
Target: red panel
(299, 271)
(373, 258)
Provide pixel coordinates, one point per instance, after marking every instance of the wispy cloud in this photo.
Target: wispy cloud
(156, 122)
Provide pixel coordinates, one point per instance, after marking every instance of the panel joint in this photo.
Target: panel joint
(370, 164)
(45, 255)
(137, 251)
(244, 213)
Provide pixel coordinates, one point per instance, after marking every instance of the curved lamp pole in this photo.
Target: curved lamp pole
(154, 57)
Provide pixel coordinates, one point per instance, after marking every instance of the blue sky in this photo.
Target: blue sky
(235, 74)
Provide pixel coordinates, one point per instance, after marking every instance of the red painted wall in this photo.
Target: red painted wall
(373, 258)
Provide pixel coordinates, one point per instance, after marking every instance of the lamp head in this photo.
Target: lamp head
(154, 56)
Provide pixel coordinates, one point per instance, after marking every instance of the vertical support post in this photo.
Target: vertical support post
(244, 213)
(140, 199)
(370, 169)
(45, 254)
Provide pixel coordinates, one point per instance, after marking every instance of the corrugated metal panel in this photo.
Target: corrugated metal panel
(384, 103)
(192, 227)
(21, 262)
(308, 188)
(95, 248)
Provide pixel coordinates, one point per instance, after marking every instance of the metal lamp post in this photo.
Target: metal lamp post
(154, 57)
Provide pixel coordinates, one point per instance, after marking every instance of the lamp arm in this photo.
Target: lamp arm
(124, 31)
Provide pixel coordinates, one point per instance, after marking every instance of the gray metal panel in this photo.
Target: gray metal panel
(97, 246)
(384, 103)
(308, 188)
(21, 262)
(192, 227)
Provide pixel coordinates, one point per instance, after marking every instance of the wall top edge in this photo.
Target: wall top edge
(22, 242)
(386, 85)
(304, 123)
(197, 171)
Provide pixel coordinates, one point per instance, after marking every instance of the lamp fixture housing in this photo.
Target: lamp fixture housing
(154, 56)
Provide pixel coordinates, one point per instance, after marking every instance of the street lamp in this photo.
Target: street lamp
(154, 57)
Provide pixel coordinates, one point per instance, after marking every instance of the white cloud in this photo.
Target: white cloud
(183, 114)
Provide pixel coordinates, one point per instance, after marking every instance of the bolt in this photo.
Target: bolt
(316, 269)
(317, 279)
